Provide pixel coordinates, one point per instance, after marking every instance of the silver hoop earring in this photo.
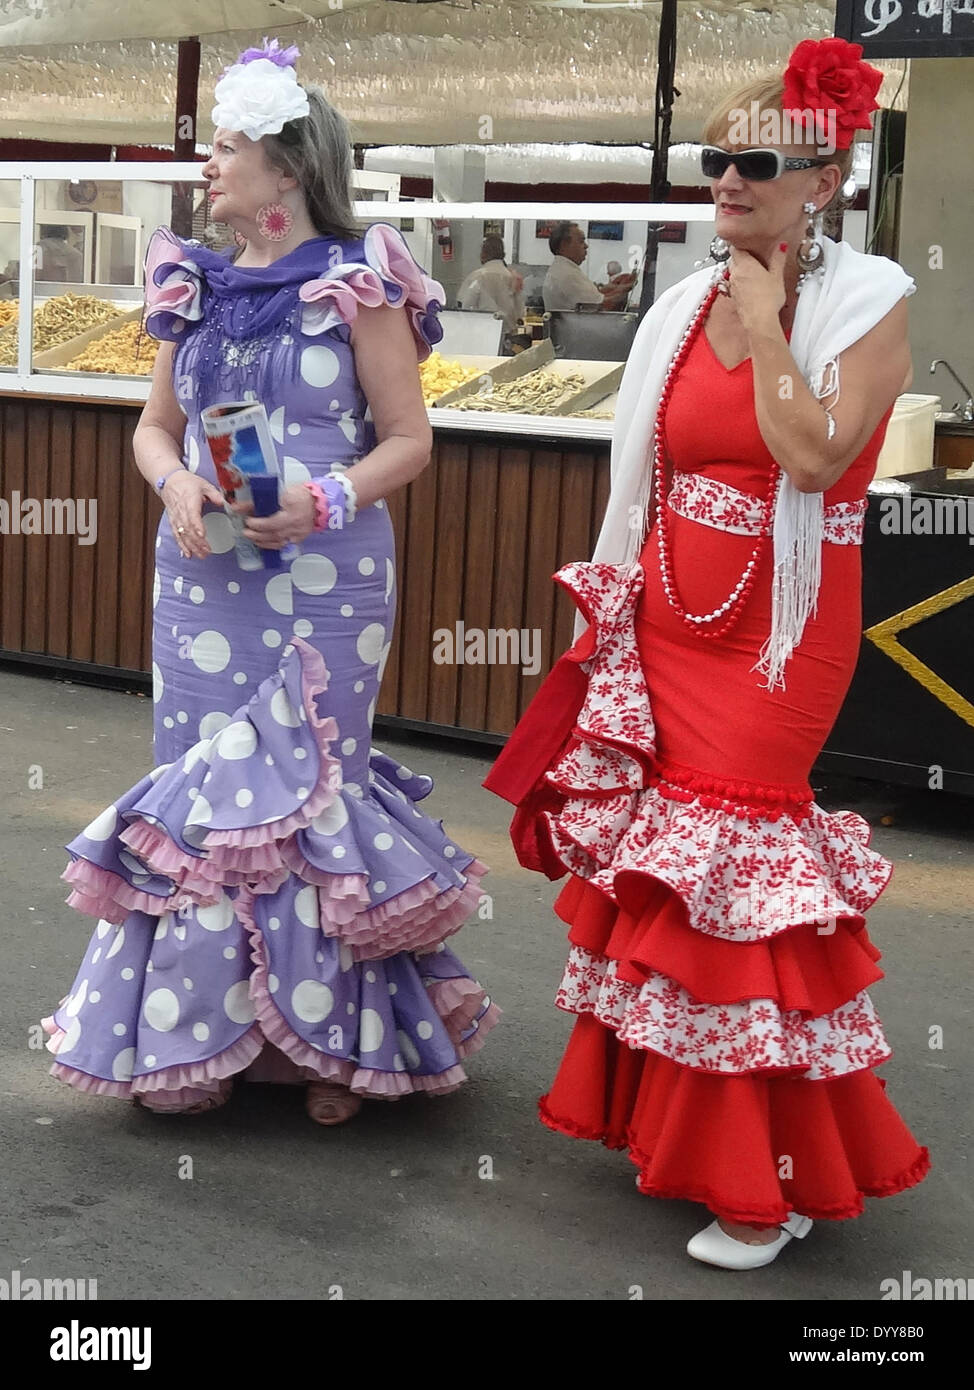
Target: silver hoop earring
(810, 253)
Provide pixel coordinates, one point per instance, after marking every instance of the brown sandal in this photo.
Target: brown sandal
(200, 1107)
(329, 1103)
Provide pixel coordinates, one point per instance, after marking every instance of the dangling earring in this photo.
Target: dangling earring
(810, 251)
(274, 221)
(720, 254)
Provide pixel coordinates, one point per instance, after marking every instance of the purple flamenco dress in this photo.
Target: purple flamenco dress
(270, 900)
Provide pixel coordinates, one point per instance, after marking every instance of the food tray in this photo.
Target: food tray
(64, 353)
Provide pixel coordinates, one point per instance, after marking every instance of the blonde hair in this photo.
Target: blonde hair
(769, 93)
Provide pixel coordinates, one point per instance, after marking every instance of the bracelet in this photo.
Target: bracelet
(351, 497)
(160, 483)
(321, 505)
(328, 497)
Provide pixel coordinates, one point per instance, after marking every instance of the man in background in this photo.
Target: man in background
(57, 259)
(566, 285)
(494, 285)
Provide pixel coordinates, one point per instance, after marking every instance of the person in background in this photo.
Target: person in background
(494, 285)
(566, 286)
(57, 259)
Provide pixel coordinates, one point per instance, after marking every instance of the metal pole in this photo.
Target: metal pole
(659, 183)
(184, 141)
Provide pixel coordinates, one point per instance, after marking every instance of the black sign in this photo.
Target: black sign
(908, 28)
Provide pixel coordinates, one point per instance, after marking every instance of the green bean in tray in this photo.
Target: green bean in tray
(532, 394)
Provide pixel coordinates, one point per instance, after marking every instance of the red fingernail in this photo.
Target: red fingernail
(782, 246)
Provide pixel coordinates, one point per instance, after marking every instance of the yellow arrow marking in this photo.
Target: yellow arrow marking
(884, 636)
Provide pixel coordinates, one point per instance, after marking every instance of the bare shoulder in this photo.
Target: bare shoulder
(385, 364)
(162, 407)
(373, 324)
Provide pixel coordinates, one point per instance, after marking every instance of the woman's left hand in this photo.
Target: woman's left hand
(292, 523)
(758, 294)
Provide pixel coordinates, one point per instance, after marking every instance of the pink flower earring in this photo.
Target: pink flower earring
(274, 221)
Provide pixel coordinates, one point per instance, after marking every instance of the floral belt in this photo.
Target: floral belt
(717, 504)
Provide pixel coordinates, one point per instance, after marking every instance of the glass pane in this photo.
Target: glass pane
(90, 240)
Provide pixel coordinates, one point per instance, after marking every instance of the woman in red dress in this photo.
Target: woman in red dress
(719, 959)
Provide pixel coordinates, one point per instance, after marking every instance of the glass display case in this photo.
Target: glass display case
(524, 347)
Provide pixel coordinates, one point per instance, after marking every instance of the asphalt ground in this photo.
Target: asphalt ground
(462, 1197)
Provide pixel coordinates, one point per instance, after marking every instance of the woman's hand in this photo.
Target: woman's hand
(758, 295)
(183, 496)
(292, 523)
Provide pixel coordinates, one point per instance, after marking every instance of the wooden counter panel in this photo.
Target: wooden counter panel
(479, 536)
(953, 450)
(479, 577)
(59, 598)
(13, 461)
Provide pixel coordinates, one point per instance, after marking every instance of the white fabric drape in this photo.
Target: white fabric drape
(835, 309)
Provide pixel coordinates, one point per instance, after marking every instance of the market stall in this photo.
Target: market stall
(516, 487)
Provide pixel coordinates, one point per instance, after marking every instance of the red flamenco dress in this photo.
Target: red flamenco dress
(719, 957)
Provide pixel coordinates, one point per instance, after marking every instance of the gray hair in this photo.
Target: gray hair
(558, 234)
(317, 151)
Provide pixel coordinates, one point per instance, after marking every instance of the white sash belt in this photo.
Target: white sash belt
(712, 503)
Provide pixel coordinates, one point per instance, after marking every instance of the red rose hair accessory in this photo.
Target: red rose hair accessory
(828, 75)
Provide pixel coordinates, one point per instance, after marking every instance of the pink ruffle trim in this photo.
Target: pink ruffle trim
(349, 286)
(419, 916)
(457, 1002)
(100, 893)
(362, 1080)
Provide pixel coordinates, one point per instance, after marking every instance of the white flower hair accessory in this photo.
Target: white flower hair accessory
(260, 93)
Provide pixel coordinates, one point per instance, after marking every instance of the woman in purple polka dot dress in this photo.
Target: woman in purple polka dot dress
(271, 903)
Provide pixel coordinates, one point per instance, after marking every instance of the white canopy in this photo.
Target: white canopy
(493, 72)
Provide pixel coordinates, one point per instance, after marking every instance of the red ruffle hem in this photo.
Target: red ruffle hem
(719, 960)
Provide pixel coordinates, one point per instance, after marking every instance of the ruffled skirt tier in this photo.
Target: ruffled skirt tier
(257, 916)
(719, 962)
(709, 1091)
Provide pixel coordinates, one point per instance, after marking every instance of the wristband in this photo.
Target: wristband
(160, 483)
(348, 488)
(326, 495)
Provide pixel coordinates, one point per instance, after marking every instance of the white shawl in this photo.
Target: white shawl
(836, 307)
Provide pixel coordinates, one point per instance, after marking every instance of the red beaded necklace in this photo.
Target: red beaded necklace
(732, 607)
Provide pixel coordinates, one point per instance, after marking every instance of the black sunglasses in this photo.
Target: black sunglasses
(757, 166)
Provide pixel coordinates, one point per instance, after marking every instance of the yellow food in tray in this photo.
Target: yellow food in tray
(125, 351)
(438, 375)
(56, 321)
(8, 311)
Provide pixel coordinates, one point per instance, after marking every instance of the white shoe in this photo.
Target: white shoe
(715, 1247)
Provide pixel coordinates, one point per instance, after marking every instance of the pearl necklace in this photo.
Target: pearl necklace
(733, 605)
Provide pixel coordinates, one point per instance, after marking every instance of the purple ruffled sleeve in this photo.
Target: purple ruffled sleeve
(388, 274)
(173, 287)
